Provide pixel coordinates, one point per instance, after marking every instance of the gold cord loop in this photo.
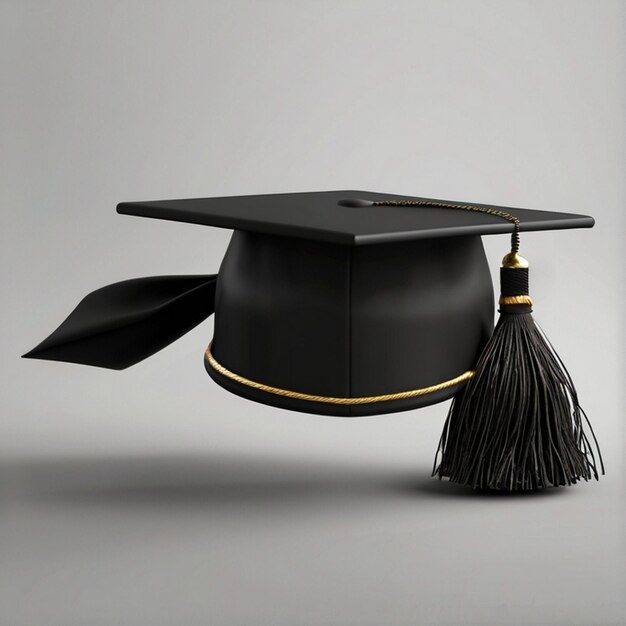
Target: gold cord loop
(505, 215)
(402, 395)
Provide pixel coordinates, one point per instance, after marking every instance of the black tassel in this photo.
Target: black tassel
(517, 425)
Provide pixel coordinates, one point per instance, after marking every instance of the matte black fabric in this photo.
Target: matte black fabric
(330, 320)
(121, 324)
(346, 217)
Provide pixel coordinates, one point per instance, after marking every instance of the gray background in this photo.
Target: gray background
(152, 496)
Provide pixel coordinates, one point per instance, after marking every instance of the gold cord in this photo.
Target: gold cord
(515, 300)
(402, 395)
(505, 215)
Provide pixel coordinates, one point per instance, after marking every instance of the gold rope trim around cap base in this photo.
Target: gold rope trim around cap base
(402, 395)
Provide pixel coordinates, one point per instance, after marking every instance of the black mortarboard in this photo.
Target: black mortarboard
(357, 303)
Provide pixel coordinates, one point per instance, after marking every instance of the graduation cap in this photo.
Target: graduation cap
(355, 303)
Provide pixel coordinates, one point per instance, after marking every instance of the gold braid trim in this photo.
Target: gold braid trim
(505, 215)
(402, 395)
(516, 300)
